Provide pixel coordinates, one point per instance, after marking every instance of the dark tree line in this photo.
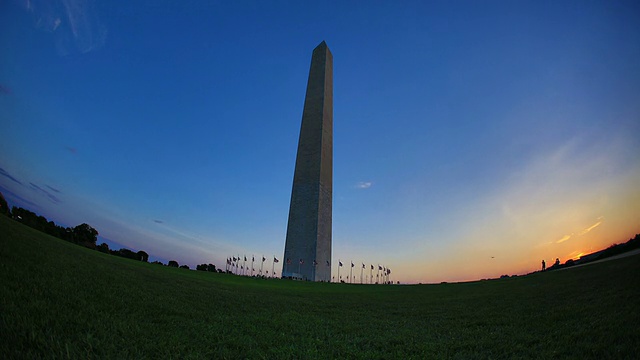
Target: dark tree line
(82, 234)
(208, 267)
(125, 253)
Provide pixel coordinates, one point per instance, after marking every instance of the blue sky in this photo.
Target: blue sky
(471, 139)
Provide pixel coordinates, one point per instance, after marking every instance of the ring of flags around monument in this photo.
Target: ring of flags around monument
(369, 273)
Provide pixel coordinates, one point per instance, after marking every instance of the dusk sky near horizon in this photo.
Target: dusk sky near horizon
(471, 138)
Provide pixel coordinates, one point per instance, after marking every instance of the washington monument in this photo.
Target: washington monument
(307, 252)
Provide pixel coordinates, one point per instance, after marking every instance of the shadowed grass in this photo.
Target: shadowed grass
(59, 300)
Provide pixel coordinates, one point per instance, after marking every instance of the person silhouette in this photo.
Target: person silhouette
(557, 262)
(544, 266)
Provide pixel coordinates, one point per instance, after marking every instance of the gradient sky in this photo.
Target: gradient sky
(471, 138)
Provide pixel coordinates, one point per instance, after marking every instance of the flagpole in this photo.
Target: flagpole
(329, 265)
(351, 274)
(273, 266)
(261, 263)
(361, 271)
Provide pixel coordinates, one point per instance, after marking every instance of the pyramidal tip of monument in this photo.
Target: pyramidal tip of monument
(323, 43)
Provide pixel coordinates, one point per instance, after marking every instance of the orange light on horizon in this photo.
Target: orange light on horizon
(576, 257)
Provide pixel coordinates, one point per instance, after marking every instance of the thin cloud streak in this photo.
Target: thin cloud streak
(53, 189)
(15, 198)
(44, 192)
(364, 185)
(3, 172)
(590, 228)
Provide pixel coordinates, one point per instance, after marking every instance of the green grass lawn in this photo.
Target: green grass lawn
(59, 300)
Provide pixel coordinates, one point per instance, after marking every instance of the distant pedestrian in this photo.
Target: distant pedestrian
(544, 266)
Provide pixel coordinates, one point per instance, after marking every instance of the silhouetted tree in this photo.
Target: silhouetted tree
(201, 267)
(4, 207)
(211, 268)
(104, 248)
(157, 262)
(143, 256)
(85, 234)
(126, 253)
(173, 263)
(184, 267)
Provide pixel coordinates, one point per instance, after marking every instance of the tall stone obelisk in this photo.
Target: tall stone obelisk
(307, 252)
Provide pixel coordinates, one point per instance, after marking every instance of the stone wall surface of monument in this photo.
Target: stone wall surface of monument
(308, 241)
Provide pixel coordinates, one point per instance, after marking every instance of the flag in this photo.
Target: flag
(340, 263)
(275, 260)
(301, 261)
(379, 267)
(241, 268)
(253, 258)
(328, 263)
(363, 265)
(234, 258)
(264, 258)
(371, 267)
(245, 258)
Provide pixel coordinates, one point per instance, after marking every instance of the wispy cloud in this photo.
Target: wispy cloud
(53, 189)
(3, 172)
(44, 192)
(364, 185)
(563, 239)
(584, 231)
(576, 254)
(75, 23)
(590, 228)
(16, 199)
(87, 31)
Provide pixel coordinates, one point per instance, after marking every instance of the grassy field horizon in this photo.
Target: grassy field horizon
(60, 300)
